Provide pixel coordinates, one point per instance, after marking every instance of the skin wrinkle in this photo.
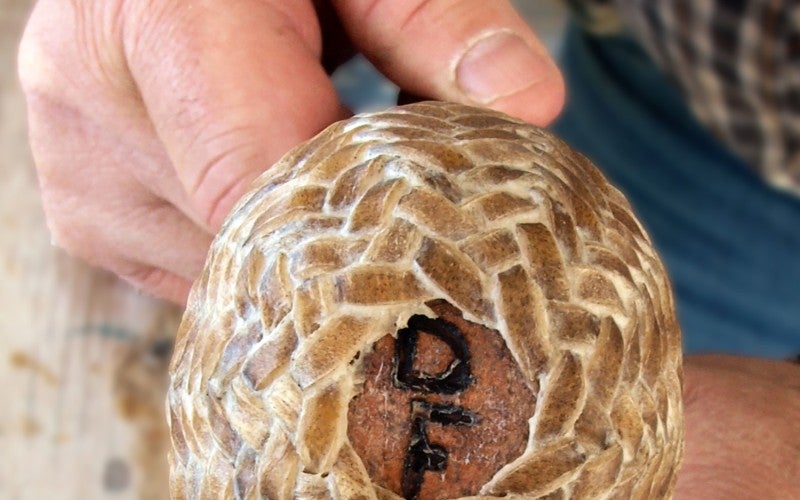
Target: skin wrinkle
(308, 33)
(96, 46)
(216, 210)
(215, 168)
(383, 53)
(192, 43)
(199, 115)
(148, 275)
(416, 13)
(72, 222)
(136, 146)
(370, 9)
(153, 278)
(139, 271)
(151, 32)
(202, 140)
(138, 27)
(116, 65)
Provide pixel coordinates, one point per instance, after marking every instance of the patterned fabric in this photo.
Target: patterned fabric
(737, 62)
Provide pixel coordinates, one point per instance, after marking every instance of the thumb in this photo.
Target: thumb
(230, 87)
(469, 51)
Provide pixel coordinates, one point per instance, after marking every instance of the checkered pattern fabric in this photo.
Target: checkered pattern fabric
(736, 61)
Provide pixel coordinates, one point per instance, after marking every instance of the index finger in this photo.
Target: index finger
(230, 87)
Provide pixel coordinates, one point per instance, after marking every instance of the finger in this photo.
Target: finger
(143, 230)
(151, 245)
(156, 235)
(157, 282)
(230, 87)
(470, 51)
(84, 114)
(95, 206)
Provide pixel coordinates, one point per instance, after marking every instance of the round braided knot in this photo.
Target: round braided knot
(428, 213)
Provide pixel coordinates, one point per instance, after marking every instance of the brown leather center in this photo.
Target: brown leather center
(442, 410)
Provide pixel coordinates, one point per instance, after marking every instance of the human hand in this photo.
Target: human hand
(742, 429)
(148, 120)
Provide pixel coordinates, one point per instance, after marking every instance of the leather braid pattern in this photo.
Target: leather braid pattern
(355, 231)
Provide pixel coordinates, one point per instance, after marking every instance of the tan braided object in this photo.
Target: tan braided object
(434, 301)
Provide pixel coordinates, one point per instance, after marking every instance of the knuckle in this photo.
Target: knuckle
(145, 277)
(68, 235)
(72, 241)
(72, 229)
(151, 25)
(219, 182)
(72, 45)
(155, 281)
(34, 68)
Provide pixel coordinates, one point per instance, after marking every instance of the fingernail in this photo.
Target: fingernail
(498, 65)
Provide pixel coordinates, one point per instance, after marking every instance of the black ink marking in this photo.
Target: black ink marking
(455, 378)
(445, 414)
(422, 455)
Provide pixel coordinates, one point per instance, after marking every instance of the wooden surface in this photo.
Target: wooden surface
(82, 356)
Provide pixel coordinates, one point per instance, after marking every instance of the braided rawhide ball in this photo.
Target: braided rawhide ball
(434, 301)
